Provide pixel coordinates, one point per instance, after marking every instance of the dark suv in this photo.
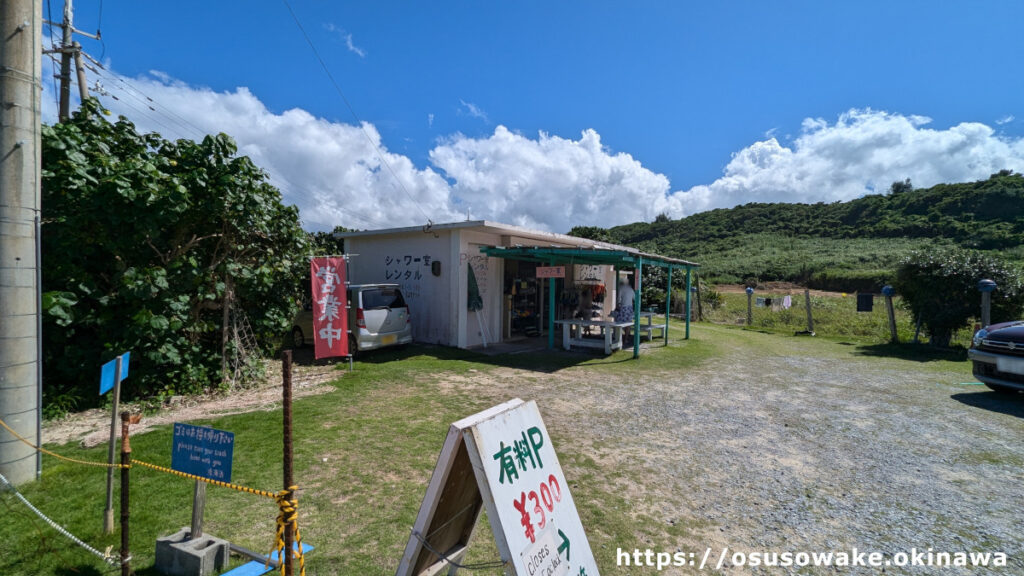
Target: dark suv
(998, 356)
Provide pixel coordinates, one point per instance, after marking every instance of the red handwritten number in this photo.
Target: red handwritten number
(520, 505)
(545, 495)
(558, 489)
(538, 509)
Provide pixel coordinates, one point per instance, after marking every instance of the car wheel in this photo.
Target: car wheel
(1002, 389)
(298, 341)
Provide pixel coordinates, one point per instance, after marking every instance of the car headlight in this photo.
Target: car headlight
(979, 336)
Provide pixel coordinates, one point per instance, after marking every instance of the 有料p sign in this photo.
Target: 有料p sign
(202, 451)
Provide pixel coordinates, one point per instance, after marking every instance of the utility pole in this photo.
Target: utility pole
(67, 47)
(20, 368)
(70, 50)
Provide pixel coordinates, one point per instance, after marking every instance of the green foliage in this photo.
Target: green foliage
(829, 246)
(141, 240)
(940, 289)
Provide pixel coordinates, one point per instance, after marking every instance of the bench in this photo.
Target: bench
(612, 332)
(649, 328)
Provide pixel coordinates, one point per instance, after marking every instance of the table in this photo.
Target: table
(612, 332)
(650, 327)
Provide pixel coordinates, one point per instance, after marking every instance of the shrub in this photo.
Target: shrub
(940, 289)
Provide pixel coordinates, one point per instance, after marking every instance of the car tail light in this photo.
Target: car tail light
(408, 315)
(360, 319)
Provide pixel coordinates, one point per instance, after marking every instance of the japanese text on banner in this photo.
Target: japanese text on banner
(330, 317)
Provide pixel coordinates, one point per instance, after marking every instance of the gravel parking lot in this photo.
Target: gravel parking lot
(786, 444)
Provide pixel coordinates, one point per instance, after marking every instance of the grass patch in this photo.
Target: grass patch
(363, 455)
(834, 316)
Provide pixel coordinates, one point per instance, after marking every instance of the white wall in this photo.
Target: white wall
(406, 260)
(490, 274)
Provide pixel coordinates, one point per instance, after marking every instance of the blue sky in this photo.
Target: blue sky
(684, 98)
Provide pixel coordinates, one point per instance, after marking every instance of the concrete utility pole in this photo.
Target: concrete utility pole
(69, 49)
(20, 368)
(67, 42)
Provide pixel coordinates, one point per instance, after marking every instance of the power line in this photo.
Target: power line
(348, 105)
(143, 98)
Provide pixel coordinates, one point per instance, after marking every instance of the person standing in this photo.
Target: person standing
(624, 304)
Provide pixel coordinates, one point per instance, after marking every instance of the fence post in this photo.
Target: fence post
(126, 460)
(286, 405)
(750, 306)
(986, 287)
(810, 318)
(888, 291)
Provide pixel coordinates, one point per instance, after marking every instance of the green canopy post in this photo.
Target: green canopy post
(638, 282)
(668, 304)
(551, 311)
(687, 302)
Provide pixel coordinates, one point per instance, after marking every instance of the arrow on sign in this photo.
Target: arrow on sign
(564, 545)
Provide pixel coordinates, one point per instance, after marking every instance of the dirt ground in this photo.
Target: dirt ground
(92, 427)
(785, 444)
(775, 444)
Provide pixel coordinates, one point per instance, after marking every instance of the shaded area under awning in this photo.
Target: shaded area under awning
(618, 258)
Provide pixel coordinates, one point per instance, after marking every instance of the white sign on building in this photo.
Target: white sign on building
(518, 478)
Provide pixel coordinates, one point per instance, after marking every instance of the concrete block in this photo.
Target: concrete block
(176, 555)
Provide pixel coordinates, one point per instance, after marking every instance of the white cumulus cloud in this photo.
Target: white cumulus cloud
(863, 151)
(551, 182)
(336, 172)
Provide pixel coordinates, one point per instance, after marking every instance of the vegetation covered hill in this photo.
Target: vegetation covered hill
(844, 245)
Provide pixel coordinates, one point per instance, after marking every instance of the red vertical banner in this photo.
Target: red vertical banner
(330, 317)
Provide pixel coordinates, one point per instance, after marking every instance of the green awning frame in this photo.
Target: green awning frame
(619, 259)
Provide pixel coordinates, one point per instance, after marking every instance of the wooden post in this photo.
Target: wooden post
(700, 306)
(668, 305)
(689, 306)
(810, 318)
(286, 405)
(108, 512)
(198, 506)
(126, 460)
(750, 306)
(888, 291)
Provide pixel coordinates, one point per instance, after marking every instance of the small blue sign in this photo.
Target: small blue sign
(203, 451)
(108, 371)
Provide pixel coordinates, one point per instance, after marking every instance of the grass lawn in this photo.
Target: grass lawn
(833, 316)
(364, 453)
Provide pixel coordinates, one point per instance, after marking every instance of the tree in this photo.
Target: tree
(146, 242)
(939, 287)
(901, 187)
(591, 233)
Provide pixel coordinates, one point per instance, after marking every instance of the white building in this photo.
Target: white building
(431, 264)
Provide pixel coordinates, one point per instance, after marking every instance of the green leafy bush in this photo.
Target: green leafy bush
(142, 241)
(940, 289)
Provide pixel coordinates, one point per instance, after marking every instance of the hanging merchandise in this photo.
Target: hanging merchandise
(865, 302)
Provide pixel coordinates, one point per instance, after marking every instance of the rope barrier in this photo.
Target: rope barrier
(246, 489)
(287, 504)
(102, 556)
(288, 509)
(289, 514)
(54, 454)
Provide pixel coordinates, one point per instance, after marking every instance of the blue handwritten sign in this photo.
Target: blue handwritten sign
(203, 451)
(108, 370)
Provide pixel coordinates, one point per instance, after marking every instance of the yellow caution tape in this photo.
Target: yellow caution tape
(58, 456)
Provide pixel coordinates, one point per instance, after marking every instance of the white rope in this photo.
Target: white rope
(103, 556)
